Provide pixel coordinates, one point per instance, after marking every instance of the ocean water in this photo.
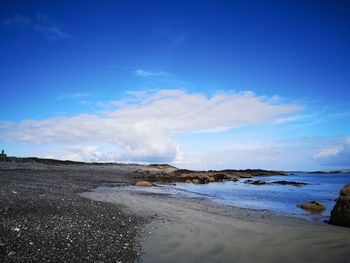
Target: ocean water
(282, 199)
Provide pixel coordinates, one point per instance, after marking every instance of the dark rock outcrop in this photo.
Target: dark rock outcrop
(204, 177)
(340, 214)
(298, 184)
(256, 182)
(260, 182)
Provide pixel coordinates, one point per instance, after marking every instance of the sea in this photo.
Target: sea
(280, 199)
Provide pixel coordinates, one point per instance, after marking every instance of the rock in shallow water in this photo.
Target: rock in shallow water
(298, 184)
(313, 206)
(143, 184)
(256, 182)
(340, 214)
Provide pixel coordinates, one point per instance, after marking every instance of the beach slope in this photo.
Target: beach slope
(196, 230)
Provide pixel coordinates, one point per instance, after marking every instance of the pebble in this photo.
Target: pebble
(11, 253)
(55, 228)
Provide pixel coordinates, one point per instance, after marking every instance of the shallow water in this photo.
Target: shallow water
(276, 198)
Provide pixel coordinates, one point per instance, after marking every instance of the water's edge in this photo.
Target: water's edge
(278, 199)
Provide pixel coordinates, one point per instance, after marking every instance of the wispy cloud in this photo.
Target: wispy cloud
(149, 74)
(336, 153)
(74, 96)
(143, 128)
(18, 21)
(40, 24)
(161, 78)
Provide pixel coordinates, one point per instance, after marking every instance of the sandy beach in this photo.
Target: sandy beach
(86, 212)
(196, 230)
(174, 131)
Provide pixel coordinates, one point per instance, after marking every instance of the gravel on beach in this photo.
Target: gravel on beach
(43, 218)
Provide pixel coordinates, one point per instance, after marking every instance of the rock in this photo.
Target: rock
(203, 177)
(340, 214)
(313, 206)
(195, 181)
(257, 182)
(244, 175)
(220, 176)
(188, 181)
(345, 191)
(298, 184)
(260, 182)
(143, 184)
(11, 253)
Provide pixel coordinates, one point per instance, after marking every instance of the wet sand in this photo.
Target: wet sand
(196, 230)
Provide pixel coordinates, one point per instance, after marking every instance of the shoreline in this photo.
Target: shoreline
(199, 230)
(174, 192)
(44, 204)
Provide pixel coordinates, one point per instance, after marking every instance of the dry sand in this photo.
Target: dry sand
(196, 230)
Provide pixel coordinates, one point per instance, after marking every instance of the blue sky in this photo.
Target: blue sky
(199, 84)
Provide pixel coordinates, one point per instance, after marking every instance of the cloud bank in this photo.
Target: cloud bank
(336, 154)
(265, 152)
(142, 128)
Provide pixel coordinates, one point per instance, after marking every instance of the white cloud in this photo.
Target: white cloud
(327, 153)
(335, 154)
(143, 127)
(313, 153)
(148, 74)
(89, 153)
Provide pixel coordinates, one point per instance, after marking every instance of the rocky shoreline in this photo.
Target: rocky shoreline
(43, 219)
(169, 174)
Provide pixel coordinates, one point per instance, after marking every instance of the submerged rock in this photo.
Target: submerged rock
(256, 182)
(260, 182)
(143, 184)
(298, 184)
(313, 206)
(340, 214)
